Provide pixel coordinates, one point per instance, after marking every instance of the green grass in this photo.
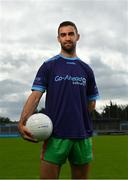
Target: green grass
(21, 159)
(110, 157)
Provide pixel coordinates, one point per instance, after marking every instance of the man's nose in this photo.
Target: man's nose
(67, 37)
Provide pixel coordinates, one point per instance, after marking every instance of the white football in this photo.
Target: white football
(40, 125)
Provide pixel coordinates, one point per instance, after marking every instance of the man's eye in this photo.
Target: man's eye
(62, 35)
(71, 34)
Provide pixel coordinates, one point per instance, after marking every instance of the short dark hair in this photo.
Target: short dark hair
(67, 23)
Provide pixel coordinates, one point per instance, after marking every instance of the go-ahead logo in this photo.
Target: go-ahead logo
(75, 79)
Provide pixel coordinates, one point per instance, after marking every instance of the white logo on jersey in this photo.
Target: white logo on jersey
(75, 79)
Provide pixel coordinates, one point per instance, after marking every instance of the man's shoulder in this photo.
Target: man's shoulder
(48, 63)
(52, 59)
(85, 65)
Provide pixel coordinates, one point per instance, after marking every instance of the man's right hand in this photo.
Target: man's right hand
(29, 108)
(26, 134)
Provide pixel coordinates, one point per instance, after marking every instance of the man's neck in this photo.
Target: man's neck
(68, 55)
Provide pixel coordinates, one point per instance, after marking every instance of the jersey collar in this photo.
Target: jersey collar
(66, 58)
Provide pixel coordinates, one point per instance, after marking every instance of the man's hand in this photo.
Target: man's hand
(26, 134)
(29, 108)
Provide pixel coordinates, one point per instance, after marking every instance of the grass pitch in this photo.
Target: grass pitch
(20, 159)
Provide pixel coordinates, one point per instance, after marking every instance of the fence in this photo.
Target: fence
(111, 126)
(9, 130)
(104, 126)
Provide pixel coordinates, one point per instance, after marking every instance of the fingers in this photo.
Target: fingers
(26, 134)
(25, 137)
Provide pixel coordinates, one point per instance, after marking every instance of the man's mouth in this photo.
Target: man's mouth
(68, 43)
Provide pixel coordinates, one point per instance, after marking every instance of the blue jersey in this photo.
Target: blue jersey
(69, 84)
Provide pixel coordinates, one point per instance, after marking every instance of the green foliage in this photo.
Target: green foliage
(4, 120)
(112, 111)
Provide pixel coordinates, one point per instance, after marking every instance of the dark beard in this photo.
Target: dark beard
(70, 49)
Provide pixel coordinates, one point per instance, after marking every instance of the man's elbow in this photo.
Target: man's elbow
(91, 106)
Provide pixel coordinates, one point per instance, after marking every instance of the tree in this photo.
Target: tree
(114, 111)
(4, 120)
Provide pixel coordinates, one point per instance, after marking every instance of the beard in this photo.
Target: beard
(68, 47)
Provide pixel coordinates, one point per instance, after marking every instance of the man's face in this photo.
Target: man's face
(67, 36)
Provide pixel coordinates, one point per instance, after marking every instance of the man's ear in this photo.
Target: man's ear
(78, 37)
(58, 38)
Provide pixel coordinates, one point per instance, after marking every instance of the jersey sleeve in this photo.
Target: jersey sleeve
(92, 90)
(41, 80)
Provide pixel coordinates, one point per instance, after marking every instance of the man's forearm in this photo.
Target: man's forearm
(29, 108)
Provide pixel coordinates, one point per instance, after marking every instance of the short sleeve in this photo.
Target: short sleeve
(41, 80)
(92, 90)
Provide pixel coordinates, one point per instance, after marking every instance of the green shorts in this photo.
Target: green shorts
(57, 151)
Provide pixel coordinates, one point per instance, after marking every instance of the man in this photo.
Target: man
(71, 94)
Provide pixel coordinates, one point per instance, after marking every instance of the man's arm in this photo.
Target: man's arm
(91, 105)
(29, 108)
